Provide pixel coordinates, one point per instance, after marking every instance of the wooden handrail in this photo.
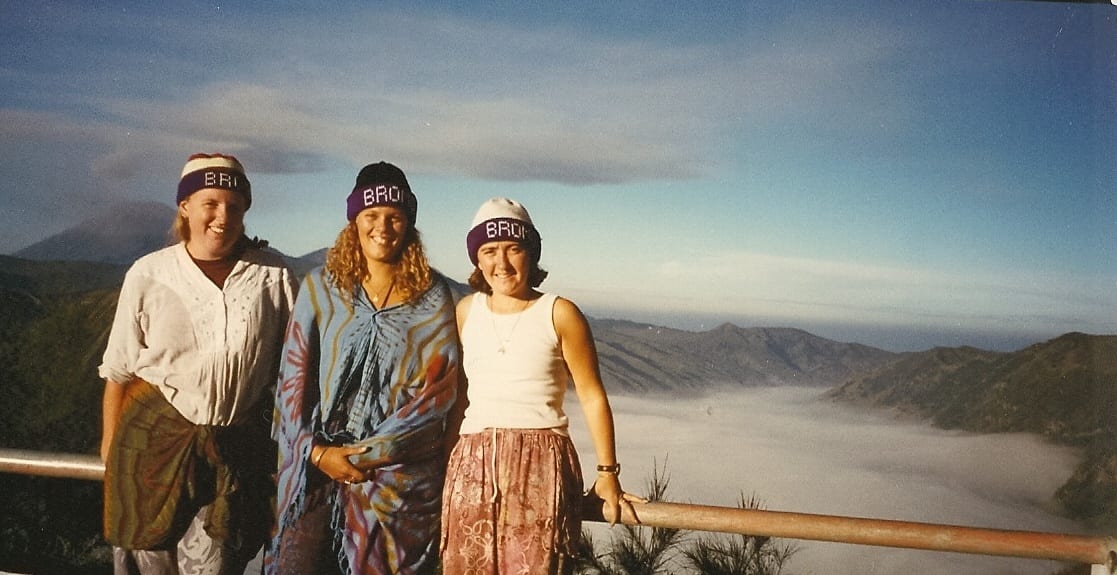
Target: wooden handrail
(1101, 552)
(66, 465)
(877, 532)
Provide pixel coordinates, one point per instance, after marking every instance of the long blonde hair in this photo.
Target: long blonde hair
(346, 269)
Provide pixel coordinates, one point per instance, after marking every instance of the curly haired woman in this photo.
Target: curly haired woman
(369, 374)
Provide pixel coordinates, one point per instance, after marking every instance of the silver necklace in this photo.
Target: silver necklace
(500, 340)
(376, 299)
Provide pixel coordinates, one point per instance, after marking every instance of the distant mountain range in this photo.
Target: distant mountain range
(118, 235)
(122, 233)
(1064, 389)
(646, 358)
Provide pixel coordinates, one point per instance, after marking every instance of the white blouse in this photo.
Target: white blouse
(211, 351)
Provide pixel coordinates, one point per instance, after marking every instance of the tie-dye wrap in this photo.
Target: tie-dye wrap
(382, 379)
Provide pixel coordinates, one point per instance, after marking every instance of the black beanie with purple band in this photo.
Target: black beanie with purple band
(382, 184)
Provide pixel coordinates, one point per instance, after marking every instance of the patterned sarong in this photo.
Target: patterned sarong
(162, 468)
(512, 504)
(382, 379)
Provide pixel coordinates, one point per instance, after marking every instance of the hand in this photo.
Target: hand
(106, 442)
(334, 462)
(608, 488)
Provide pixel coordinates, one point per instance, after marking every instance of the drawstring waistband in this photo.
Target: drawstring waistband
(493, 466)
(495, 434)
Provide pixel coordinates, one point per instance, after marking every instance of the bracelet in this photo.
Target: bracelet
(615, 469)
(316, 460)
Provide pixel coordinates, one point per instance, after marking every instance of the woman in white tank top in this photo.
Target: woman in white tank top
(512, 500)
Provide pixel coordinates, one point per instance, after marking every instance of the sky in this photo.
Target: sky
(900, 174)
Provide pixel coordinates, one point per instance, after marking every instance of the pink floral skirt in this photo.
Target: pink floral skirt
(511, 504)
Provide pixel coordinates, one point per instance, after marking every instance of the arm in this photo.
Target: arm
(124, 345)
(580, 354)
(457, 413)
(296, 402)
(297, 411)
(111, 402)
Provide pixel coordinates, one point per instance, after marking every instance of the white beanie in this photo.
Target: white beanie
(213, 171)
(502, 219)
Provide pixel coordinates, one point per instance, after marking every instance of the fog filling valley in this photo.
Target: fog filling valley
(800, 453)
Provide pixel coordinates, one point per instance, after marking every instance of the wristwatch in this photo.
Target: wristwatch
(615, 469)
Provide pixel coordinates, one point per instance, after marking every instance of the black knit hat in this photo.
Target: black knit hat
(381, 184)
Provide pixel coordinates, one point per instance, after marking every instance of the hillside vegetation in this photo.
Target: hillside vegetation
(1064, 389)
(52, 333)
(645, 358)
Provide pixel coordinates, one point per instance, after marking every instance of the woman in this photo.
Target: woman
(191, 359)
(369, 373)
(513, 488)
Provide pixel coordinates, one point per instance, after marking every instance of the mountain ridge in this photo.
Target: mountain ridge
(1064, 389)
(727, 355)
(118, 234)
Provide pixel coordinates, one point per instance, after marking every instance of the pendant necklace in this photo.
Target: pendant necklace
(502, 341)
(387, 293)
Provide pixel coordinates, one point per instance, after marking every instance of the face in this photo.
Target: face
(381, 231)
(215, 220)
(506, 266)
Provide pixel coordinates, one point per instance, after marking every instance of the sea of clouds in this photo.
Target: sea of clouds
(800, 453)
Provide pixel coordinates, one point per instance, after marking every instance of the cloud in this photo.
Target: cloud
(50, 158)
(813, 289)
(800, 454)
(302, 91)
(477, 99)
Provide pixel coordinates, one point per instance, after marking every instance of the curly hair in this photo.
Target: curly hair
(346, 269)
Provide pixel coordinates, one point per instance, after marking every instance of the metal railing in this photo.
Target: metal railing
(1099, 552)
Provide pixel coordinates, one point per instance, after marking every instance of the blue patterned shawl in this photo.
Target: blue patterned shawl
(383, 379)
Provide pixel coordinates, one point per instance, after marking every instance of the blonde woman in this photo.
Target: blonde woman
(189, 369)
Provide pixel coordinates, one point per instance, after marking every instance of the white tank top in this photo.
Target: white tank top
(517, 377)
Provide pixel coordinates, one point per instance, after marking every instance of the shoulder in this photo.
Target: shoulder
(168, 253)
(437, 293)
(156, 261)
(464, 305)
(566, 308)
(457, 289)
(317, 279)
(317, 274)
(264, 258)
(439, 282)
(268, 267)
(567, 315)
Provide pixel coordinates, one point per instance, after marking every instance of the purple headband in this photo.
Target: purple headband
(218, 177)
(371, 195)
(503, 229)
